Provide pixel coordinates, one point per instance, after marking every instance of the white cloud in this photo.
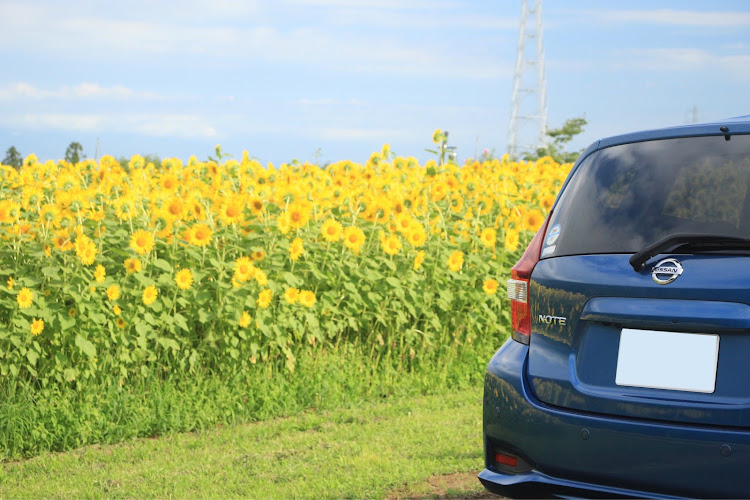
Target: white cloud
(678, 18)
(75, 34)
(85, 90)
(353, 134)
(308, 101)
(153, 124)
(686, 59)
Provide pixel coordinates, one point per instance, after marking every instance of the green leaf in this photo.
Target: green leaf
(180, 321)
(142, 328)
(50, 270)
(163, 265)
(373, 275)
(98, 318)
(85, 346)
(394, 282)
(165, 279)
(203, 316)
(144, 281)
(292, 280)
(66, 323)
(169, 343)
(32, 356)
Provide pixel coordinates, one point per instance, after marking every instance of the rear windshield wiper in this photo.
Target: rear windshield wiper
(639, 259)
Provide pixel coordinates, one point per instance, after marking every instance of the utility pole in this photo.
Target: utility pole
(529, 81)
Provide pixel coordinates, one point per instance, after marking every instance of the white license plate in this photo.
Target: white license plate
(667, 360)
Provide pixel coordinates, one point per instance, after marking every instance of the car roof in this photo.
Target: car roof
(737, 125)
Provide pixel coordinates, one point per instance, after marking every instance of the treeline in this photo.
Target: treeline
(73, 154)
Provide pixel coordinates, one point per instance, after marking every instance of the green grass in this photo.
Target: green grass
(369, 451)
(60, 418)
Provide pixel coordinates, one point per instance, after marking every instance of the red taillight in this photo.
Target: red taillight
(507, 460)
(518, 287)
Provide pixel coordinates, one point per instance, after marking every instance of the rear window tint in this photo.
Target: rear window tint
(624, 197)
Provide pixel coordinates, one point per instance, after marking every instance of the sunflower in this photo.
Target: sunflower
(175, 208)
(490, 286)
(354, 238)
(37, 326)
(243, 269)
(10, 283)
(258, 255)
(511, 240)
(296, 249)
(260, 277)
(168, 182)
(332, 230)
(150, 293)
(49, 214)
(298, 215)
(291, 295)
(133, 265)
(232, 211)
(533, 219)
(245, 319)
(85, 249)
(307, 298)
(113, 292)
(404, 222)
(256, 205)
(456, 261)
(488, 237)
(200, 235)
(87, 254)
(184, 279)
(116, 309)
(547, 202)
(25, 298)
(100, 273)
(264, 298)
(437, 136)
(456, 203)
(416, 235)
(142, 242)
(61, 240)
(282, 222)
(391, 244)
(121, 323)
(418, 260)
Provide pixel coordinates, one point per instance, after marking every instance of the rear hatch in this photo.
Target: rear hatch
(671, 340)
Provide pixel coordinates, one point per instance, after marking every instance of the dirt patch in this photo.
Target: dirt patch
(454, 486)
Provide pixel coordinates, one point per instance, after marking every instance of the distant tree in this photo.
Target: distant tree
(73, 153)
(124, 161)
(12, 157)
(560, 138)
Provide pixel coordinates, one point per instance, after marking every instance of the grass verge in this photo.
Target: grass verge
(59, 418)
(370, 451)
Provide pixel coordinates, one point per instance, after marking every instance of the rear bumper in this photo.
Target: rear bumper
(580, 454)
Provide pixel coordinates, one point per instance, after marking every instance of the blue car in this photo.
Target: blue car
(628, 368)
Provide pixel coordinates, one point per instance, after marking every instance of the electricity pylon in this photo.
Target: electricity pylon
(528, 82)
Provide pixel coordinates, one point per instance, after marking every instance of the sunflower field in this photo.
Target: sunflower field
(129, 270)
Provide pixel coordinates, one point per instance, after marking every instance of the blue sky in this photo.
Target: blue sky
(336, 79)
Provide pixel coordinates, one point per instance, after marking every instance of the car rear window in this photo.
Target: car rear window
(622, 198)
